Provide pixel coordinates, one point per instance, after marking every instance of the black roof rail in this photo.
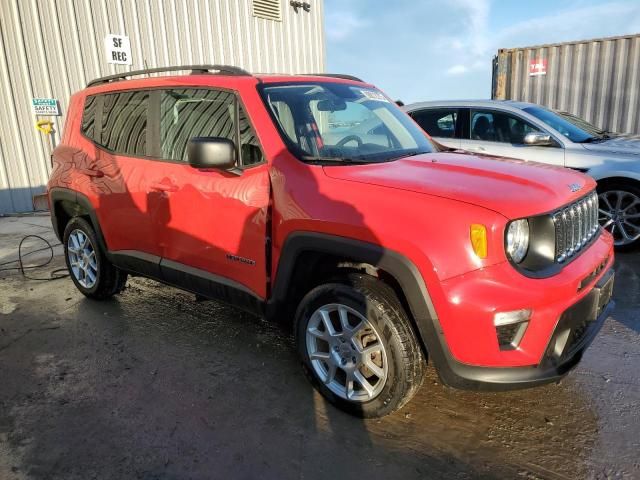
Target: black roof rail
(223, 69)
(335, 75)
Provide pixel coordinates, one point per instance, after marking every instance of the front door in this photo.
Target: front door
(211, 224)
(494, 132)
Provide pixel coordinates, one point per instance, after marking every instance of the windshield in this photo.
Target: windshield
(582, 124)
(328, 122)
(572, 127)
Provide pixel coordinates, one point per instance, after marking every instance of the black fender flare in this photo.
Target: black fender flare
(393, 263)
(75, 204)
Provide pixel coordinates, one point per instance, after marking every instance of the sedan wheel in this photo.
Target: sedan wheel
(620, 215)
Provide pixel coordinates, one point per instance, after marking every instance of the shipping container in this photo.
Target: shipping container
(598, 80)
(50, 49)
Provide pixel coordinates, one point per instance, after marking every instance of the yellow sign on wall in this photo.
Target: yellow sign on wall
(44, 126)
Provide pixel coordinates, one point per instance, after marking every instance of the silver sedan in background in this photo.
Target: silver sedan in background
(531, 132)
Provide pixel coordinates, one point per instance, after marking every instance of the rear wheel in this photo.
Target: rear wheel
(358, 347)
(620, 212)
(90, 270)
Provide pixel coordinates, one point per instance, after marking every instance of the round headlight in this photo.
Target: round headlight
(518, 240)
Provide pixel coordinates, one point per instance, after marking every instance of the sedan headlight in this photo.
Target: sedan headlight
(517, 242)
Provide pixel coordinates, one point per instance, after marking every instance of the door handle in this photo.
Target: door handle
(163, 187)
(479, 149)
(89, 172)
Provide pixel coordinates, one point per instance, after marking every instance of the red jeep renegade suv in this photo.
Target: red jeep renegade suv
(315, 197)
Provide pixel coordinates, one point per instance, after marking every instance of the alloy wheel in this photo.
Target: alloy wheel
(82, 259)
(346, 353)
(619, 213)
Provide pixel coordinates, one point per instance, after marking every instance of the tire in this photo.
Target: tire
(88, 266)
(394, 349)
(623, 222)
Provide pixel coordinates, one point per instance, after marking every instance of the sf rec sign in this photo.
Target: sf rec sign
(118, 49)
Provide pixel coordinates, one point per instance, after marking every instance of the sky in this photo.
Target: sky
(417, 50)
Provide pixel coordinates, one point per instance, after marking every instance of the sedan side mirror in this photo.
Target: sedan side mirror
(538, 139)
(211, 152)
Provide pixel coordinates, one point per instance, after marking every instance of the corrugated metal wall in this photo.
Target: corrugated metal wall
(52, 48)
(598, 80)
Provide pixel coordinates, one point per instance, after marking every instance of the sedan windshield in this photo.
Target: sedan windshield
(334, 123)
(572, 127)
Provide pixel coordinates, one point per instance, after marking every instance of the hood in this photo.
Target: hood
(512, 188)
(619, 144)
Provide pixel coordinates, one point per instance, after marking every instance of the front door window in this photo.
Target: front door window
(501, 127)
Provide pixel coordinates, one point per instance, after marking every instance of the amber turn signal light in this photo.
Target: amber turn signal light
(478, 234)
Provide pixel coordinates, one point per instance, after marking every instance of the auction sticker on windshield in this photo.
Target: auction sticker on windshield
(373, 95)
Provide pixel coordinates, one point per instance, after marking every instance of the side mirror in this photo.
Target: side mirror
(211, 152)
(538, 139)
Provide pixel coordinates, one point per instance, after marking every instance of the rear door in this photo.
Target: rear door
(211, 223)
(120, 174)
(501, 133)
(442, 124)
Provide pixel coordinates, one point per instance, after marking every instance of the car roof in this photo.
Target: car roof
(308, 77)
(502, 104)
(204, 73)
(213, 81)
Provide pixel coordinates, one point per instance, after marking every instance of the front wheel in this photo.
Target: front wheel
(358, 347)
(620, 213)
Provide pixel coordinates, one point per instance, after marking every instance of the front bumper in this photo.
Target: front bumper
(466, 351)
(576, 329)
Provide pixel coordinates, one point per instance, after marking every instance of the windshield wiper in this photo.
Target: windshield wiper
(331, 160)
(412, 154)
(601, 138)
(404, 155)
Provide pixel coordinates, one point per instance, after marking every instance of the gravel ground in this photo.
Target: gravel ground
(155, 385)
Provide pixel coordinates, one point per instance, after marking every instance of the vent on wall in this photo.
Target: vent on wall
(269, 9)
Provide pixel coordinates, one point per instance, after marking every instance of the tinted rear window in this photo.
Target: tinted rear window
(437, 123)
(124, 122)
(89, 117)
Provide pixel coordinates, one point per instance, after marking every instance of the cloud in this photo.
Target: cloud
(342, 23)
(457, 70)
(479, 42)
(472, 41)
(614, 18)
(475, 17)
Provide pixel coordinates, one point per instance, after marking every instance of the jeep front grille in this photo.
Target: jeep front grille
(575, 225)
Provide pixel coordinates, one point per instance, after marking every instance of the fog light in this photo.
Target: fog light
(516, 316)
(510, 327)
